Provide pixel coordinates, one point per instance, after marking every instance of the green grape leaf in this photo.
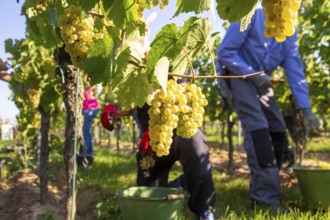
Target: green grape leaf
(234, 10)
(122, 60)
(133, 90)
(197, 6)
(9, 46)
(122, 12)
(161, 72)
(164, 41)
(246, 20)
(50, 98)
(197, 32)
(85, 5)
(97, 65)
(177, 45)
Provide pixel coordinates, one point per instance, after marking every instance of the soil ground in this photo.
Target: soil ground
(19, 195)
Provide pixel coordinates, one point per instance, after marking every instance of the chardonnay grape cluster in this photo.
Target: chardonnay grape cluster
(161, 3)
(146, 163)
(48, 65)
(34, 97)
(42, 5)
(77, 33)
(280, 18)
(178, 107)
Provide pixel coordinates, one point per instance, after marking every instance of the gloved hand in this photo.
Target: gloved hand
(3, 65)
(144, 145)
(310, 121)
(262, 81)
(109, 117)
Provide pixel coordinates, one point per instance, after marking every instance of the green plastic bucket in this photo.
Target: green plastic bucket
(314, 185)
(148, 203)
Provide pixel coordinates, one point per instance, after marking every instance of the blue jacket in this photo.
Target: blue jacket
(250, 51)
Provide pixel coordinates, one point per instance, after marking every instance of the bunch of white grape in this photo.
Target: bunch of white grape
(42, 5)
(48, 66)
(192, 117)
(178, 107)
(146, 163)
(36, 7)
(34, 97)
(77, 33)
(161, 3)
(281, 18)
(141, 7)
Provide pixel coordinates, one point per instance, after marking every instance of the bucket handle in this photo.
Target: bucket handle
(173, 196)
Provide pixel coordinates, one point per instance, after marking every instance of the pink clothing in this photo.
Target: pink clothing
(90, 103)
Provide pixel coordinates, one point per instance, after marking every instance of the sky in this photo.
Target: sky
(12, 25)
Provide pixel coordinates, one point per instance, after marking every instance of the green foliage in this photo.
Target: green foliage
(122, 12)
(86, 5)
(234, 10)
(314, 38)
(178, 45)
(33, 85)
(41, 25)
(197, 6)
(98, 64)
(48, 215)
(166, 40)
(133, 92)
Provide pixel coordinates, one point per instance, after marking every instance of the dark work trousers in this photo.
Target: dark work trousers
(264, 136)
(193, 154)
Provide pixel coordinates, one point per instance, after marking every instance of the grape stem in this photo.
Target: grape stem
(190, 63)
(95, 14)
(215, 76)
(212, 59)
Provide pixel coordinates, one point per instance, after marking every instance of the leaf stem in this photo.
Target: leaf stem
(190, 63)
(216, 77)
(212, 59)
(95, 14)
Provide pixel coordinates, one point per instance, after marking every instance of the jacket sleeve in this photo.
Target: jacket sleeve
(294, 70)
(229, 54)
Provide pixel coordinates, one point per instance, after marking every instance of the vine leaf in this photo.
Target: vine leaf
(197, 6)
(166, 40)
(122, 12)
(42, 27)
(176, 44)
(234, 10)
(161, 71)
(50, 98)
(246, 20)
(129, 80)
(86, 5)
(97, 65)
(197, 31)
(121, 66)
(134, 89)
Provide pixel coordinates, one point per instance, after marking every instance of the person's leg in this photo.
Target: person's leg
(193, 154)
(288, 154)
(180, 181)
(89, 116)
(265, 180)
(276, 125)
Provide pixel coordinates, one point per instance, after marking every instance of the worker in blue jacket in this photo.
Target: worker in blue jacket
(242, 53)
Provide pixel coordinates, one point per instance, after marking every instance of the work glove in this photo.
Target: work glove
(109, 117)
(144, 145)
(3, 65)
(262, 81)
(310, 121)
